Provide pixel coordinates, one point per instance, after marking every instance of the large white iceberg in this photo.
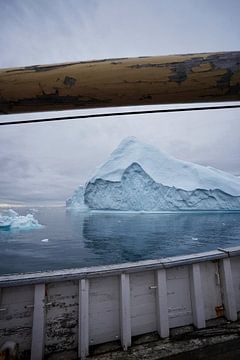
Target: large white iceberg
(139, 177)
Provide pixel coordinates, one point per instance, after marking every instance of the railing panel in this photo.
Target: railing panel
(211, 289)
(61, 305)
(16, 316)
(179, 299)
(104, 310)
(143, 302)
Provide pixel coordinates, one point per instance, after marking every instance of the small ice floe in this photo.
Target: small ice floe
(194, 238)
(10, 219)
(33, 210)
(44, 240)
(223, 224)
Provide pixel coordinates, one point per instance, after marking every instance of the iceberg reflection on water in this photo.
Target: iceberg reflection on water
(138, 236)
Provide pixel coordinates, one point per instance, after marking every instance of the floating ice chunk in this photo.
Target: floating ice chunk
(21, 222)
(44, 240)
(34, 210)
(194, 238)
(27, 222)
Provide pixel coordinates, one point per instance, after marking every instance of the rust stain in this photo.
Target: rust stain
(219, 310)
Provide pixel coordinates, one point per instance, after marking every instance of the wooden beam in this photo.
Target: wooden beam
(206, 77)
(38, 328)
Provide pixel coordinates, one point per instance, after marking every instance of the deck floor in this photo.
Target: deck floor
(219, 341)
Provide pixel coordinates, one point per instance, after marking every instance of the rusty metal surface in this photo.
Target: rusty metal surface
(121, 82)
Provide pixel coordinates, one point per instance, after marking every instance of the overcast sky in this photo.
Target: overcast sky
(46, 162)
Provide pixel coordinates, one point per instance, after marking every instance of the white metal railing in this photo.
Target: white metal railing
(148, 295)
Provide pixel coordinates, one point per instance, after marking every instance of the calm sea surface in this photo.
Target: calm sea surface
(87, 239)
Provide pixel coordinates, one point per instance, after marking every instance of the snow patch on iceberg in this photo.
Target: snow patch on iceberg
(20, 222)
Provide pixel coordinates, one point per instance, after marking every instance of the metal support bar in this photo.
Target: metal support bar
(229, 296)
(197, 297)
(2, 309)
(83, 337)
(38, 328)
(125, 311)
(162, 303)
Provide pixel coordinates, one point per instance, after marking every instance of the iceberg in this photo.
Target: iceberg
(76, 202)
(21, 222)
(140, 177)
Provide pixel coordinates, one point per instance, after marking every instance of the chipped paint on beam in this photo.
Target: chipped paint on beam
(121, 82)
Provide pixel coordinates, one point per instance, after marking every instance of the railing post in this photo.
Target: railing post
(229, 297)
(83, 319)
(198, 310)
(125, 315)
(162, 303)
(38, 328)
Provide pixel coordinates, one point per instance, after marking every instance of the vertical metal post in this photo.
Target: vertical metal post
(162, 303)
(38, 328)
(125, 311)
(229, 296)
(83, 338)
(197, 297)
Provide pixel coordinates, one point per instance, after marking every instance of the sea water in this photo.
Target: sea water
(80, 239)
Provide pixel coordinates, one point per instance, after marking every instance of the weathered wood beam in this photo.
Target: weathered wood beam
(190, 78)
